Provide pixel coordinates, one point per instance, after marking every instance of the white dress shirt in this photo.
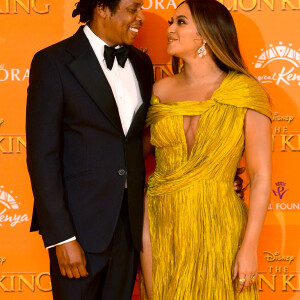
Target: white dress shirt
(122, 81)
(124, 85)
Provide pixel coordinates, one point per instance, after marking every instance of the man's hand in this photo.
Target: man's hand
(71, 260)
(238, 183)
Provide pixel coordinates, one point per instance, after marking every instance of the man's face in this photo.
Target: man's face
(123, 26)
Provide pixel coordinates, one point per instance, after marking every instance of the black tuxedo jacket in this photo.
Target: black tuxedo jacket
(77, 154)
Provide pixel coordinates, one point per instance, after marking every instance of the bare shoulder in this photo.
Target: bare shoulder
(162, 85)
(162, 88)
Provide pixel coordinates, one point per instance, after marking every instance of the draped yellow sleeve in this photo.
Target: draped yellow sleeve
(242, 91)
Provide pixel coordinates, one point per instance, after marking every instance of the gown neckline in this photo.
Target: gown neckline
(197, 102)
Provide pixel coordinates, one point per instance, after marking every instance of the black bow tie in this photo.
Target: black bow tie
(121, 54)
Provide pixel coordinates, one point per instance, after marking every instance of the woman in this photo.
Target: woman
(204, 244)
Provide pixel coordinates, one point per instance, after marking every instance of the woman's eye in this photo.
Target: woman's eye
(180, 22)
(170, 22)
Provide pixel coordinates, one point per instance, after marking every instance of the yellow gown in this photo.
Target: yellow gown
(196, 219)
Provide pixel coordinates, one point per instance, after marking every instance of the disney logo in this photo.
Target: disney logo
(277, 117)
(270, 257)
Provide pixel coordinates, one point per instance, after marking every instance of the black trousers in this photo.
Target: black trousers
(111, 273)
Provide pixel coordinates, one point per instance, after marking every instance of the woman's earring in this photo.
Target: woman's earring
(202, 50)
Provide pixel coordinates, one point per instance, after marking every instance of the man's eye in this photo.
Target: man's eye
(132, 10)
(170, 22)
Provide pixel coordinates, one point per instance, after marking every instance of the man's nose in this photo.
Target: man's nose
(140, 16)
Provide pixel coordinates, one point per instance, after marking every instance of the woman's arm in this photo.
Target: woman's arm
(258, 160)
(147, 147)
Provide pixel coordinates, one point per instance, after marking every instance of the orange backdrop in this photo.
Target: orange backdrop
(269, 34)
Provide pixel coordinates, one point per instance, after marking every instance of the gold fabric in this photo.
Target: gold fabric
(196, 218)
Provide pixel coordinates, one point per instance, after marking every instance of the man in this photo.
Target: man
(85, 114)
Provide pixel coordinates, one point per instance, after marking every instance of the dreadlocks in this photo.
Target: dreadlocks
(85, 8)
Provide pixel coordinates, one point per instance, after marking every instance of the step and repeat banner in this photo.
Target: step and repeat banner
(269, 35)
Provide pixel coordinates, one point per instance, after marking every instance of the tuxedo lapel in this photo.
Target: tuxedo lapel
(87, 70)
(139, 116)
(138, 120)
(138, 69)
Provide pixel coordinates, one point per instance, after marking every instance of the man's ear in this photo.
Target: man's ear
(101, 10)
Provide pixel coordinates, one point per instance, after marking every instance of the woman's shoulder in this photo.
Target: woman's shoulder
(162, 87)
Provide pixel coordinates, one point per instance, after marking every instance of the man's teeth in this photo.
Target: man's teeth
(134, 30)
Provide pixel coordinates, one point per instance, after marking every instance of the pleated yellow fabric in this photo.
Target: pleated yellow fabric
(196, 219)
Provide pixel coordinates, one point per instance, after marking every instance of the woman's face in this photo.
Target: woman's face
(183, 37)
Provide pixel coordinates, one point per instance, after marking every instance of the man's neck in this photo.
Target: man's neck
(100, 33)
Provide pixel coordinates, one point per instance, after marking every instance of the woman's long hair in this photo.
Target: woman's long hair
(215, 24)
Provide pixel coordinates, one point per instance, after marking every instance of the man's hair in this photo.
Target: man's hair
(85, 8)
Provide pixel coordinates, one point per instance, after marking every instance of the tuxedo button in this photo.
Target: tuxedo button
(121, 172)
(126, 140)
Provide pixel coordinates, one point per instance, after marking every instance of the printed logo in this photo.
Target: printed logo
(280, 192)
(159, 4)
(2, 260)
(260, 5)
(273, 257)
(9, 209)
(12, 143)
(8, 200)
(13, 74)
(233, 5)
(281, 273)
(162, 70)
(17, 6)
(287, 61)
(284, 139)
(16, 282)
